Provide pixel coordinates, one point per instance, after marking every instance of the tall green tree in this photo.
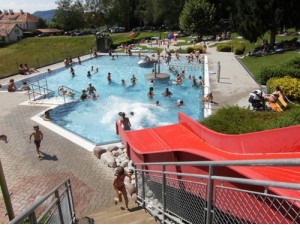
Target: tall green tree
(97, 12)
(253, 18)
(146, 11)
(69, 15)
(197, 16)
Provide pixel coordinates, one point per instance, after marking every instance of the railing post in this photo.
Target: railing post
(209, 195)
(5, 194)
(57, 199)
(164, 192)
(70, 199)
(143, 185)
(32, 218)
(219, 71)
(136, 177)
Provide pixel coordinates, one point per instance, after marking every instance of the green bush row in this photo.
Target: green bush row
(236, 120)
(237, 47)
(224, 47)
(290, 86)
(292, 69)
(196, 48)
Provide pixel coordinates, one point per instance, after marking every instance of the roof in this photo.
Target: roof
(18, 17)
(5, 29)
(49, 30)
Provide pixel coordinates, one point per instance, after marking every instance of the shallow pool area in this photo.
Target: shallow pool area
(94, 119)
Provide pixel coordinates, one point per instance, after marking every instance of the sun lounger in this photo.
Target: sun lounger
(275, 107)
(282, 101)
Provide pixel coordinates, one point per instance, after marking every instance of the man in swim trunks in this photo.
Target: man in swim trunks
(91, 89)
(37, 137)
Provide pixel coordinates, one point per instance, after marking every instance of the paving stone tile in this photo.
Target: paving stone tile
(27, 177)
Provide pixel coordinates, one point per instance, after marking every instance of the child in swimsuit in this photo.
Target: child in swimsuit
(38, 137)
(119, 185)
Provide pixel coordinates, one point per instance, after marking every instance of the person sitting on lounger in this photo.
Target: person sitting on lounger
(272, 98)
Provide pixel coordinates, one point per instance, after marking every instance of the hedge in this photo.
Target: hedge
(237, 47)
(292, 69)
(289, 86)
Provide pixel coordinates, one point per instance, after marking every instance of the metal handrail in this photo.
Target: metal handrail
(67, 92)
(259, 162)
(42, 89)
(158, 179)
(30, 211)
(66, 89)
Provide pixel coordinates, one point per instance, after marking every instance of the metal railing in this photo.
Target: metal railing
(208, 197)
(65, 91)
(38, 90)
(57, 207)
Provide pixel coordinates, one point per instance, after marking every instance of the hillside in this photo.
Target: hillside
(46, 15)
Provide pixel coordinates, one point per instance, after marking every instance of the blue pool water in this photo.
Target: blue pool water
(95, 119)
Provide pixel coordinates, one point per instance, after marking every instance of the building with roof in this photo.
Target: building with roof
(26, 21)
(47, 32)
(10, 33)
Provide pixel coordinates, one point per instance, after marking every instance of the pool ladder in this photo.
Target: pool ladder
(67, 92)
(38, 90)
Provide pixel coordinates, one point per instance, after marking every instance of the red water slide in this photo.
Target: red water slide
(188, 140)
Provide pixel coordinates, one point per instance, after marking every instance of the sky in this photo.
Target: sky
(30, 6)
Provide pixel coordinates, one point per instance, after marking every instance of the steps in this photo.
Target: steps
(115, 215)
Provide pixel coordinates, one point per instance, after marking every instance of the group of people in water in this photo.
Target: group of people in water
(89, 92)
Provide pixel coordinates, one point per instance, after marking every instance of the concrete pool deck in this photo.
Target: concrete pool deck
(28, 178)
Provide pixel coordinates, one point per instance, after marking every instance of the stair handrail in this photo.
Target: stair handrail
(144, 172)
(29, 213)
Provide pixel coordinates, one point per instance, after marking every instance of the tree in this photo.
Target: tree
(42, 23)
(69, 16)
(97, 11)
(197, 16)
(253, 18)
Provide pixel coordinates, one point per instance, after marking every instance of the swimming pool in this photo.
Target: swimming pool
(94, 119)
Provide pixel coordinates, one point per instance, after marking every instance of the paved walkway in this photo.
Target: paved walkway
(28, 178)
(235, 82)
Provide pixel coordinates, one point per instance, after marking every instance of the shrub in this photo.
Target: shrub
(295, 63)
(236, 120)
(224, 47)
(269, 72)
(290, 86)
(196, 48)
(237, 47)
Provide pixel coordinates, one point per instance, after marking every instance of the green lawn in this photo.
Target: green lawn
(254, 64)
(42, 51)
(37, 52)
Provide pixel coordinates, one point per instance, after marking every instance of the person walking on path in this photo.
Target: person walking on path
(119, 185)
(37, 137)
